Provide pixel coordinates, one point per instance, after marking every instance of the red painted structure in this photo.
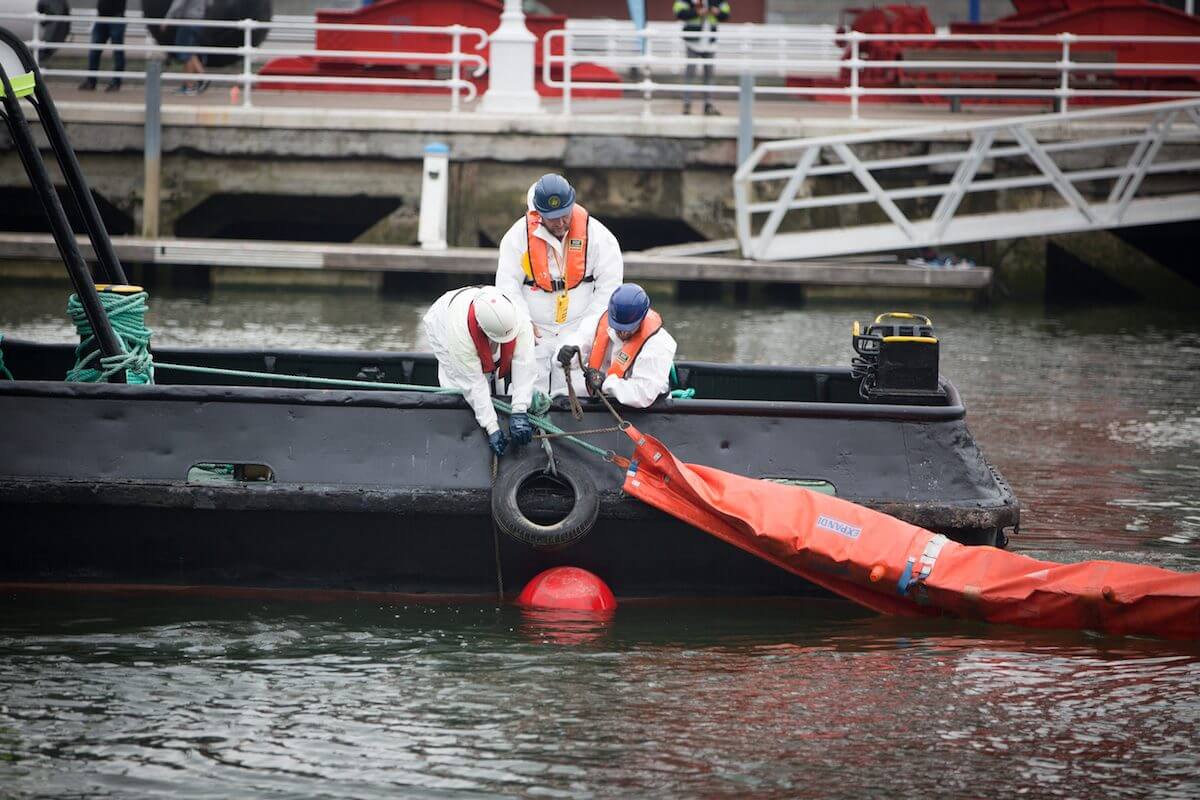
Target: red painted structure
(1033, 17)
(483, 14)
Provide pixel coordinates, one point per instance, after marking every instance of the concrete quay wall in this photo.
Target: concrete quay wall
(230, 172)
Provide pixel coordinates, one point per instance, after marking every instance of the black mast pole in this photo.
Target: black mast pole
(52, 126)
(64, 237)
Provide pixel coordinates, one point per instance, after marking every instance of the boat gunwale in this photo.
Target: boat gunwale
(952, 410)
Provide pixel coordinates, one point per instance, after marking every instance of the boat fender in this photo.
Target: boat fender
(574, 526)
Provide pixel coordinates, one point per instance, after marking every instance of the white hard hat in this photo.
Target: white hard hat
(496, 314)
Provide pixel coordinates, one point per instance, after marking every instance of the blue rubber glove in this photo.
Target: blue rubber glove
(498, 442)
(519, 429)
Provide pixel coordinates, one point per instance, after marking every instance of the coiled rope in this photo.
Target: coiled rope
(3, 369)
(127, 315)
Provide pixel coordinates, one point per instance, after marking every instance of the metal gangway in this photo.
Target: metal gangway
(970, 182)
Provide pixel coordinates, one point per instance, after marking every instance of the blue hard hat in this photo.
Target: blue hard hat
(627, 307)
(553, 197)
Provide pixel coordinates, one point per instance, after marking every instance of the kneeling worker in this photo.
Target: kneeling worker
(631, 355)
(481, 337)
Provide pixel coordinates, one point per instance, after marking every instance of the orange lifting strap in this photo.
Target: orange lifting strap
(897, 568)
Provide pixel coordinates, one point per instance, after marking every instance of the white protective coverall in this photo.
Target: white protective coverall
(458, 361)
(588, 300)
(642, 385)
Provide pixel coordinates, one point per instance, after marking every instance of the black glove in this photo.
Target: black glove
(594, 379)
(498, 442)
(566, 353)
(519, 430)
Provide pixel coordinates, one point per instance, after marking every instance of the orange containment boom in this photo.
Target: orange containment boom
(893, 567)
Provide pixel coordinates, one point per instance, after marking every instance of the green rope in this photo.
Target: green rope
(679, 394)
(126, 315)
(3, 369)
(538, 407)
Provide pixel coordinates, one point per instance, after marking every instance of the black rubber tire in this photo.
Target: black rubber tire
(571, 528)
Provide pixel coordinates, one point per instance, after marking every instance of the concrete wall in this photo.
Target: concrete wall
(667, 176)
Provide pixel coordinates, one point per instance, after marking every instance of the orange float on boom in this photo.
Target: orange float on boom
(897, 568)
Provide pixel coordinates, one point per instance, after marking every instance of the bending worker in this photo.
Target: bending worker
(631, 354)
(560, 265)
(482, 338)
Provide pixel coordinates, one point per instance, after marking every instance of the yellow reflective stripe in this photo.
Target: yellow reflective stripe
(23, 85)
(526, 267)
(902, 315)
(921, 339)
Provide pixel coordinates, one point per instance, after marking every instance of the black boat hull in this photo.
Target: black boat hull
(390, 491)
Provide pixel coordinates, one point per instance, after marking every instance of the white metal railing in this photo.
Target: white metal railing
(294, 37)
(1135, 146)
(803, 52)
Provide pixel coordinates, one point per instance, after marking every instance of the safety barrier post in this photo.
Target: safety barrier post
(1065, 66)
(35, 44)
(152, 159)
(745, 140)
(566, 70)
(456, 66)
(247, 72)
(854, 74)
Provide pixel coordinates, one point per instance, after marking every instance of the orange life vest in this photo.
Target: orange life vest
(483, 346)
(623, 359)
(575, 245)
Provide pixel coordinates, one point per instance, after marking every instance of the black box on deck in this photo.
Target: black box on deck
(908, 365)
(898, 357)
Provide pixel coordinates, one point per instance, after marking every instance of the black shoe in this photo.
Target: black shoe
(687, 109)
(113, 86)
(88, 85)
(710, 110)
(201, 87)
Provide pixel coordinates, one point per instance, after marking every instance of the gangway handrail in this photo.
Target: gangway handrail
(1120, 205)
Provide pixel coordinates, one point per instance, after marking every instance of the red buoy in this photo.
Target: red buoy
(569, 588)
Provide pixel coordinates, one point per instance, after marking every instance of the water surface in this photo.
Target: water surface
(1091, 415)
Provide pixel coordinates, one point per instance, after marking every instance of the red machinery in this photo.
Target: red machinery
(1033, 17)
(483, 14)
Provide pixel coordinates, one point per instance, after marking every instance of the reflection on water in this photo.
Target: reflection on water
(1091, 415)
(134, 697)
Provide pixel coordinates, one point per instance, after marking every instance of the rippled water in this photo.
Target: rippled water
(1092, 415)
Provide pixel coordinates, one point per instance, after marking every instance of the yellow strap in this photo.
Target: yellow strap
(902, 315)
(921, 339)
(526, 266)
(23, 85)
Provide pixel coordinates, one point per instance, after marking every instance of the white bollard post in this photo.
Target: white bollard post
(510, 66)
(435, 182)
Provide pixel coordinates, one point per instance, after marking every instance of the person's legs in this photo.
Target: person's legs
(689, 72)
(708, 79)
(117, 37)
(99, 36)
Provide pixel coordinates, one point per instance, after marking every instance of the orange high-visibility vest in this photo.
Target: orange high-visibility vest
(483, 347)
(623, 359)
(574, 249)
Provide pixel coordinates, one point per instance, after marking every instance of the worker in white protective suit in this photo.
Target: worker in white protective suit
(482, 338)
(631, 353)
(561, 265)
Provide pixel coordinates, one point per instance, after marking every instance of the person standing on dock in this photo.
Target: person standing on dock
(561, 265)
(107, 32)
(481, 338)
(630, 356)
(700, 20)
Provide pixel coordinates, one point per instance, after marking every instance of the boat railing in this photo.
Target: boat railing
(461, 60)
